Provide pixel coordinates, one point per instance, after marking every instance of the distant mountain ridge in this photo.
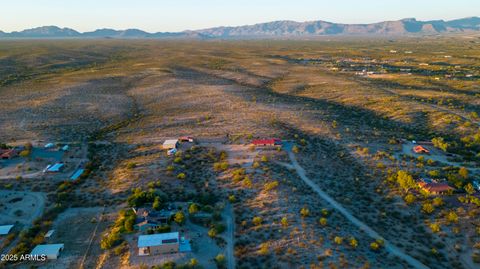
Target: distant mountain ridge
(276, 29)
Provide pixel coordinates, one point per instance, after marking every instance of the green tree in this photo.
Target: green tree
(469, 189)
(323, 221)
(179, 217)
(452, 217)
(157, 203)
(304, 212)
(463, 172)
(353, 242)
(435, 227)
(427, 207)
(284, 222)
(257, 221)
(338, 240)
(405, 180)
(409, 198)
(193, 208)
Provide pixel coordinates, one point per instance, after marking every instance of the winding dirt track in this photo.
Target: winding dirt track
(362, 226)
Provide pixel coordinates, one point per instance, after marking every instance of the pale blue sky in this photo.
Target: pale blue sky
(178, 15)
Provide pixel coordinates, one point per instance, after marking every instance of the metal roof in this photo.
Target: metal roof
(170, 142)
(54, 167)
(5, 229)
(47, 249)
(152, 240)
(77, 174)
(49, 233)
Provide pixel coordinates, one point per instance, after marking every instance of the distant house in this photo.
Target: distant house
(155, 244)
(52, 251)
(149, 219)
(6, 154)
(420, 150)
(476, 185)
(170, 144)
(54, 168)
(267, 142)
(5, 229)
(186, 139)
(435, 188)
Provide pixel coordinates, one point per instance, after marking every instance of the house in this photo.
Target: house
(170, 144)
(5, 229)
(52, 251)
(435, 188)
(155, 244)
(54, 168)
(6, 154)
(186, 139)
(148, 219)
(267, 142)
(420, 150)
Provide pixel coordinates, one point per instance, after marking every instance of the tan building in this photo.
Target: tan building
(156, 244)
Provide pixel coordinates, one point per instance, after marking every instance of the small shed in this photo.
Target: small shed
(5, 229)
(54, 168)
(52, 251)
(170, 144)
(77, 174)
(49, 145)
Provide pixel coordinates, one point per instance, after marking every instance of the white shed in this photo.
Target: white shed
(52, 251)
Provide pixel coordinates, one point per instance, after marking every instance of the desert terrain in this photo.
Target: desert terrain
(343, 189)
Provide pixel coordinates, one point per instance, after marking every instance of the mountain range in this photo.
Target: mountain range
(276, 29)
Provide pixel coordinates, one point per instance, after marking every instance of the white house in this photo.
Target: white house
(154, 244)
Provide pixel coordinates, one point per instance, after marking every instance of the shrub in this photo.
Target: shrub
(181, 176)
(257, 221)
(270, 185)
(131, 165)
(338, 240)
(353, 242)
(179, 217)
(323, 221)
(284, 222)
(304, 212)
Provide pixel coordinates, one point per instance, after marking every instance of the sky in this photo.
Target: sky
(179, 15)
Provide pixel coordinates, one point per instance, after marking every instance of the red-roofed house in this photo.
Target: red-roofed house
(435, 188)
(7, 153)
(420, 150)
(267, 142)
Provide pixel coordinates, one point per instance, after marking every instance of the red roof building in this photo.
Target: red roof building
(420, 149)
(435, 188)
(267, 142)
(7, 153)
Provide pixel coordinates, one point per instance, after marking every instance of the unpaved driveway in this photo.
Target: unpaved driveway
(362, 226)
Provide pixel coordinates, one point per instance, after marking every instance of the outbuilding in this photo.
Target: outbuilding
(170, 144)
(5, 229)
(54, 168)
(52, 251)
(155, 244)
(267, 142)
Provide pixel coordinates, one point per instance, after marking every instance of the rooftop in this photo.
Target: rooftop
(47, 249)
(5, 229)
(77, 174)
(151, 240)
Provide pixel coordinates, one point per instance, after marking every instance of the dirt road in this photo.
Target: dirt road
(362, 226)
(229, 236)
